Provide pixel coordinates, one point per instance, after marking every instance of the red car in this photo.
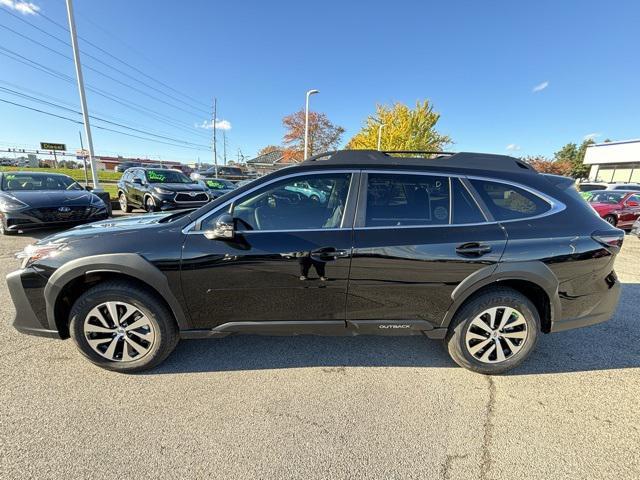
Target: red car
(619, 208)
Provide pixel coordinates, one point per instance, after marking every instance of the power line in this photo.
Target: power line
(45, 102)
(114, 98)
(99, 72)
(66, 43)
(97, 126)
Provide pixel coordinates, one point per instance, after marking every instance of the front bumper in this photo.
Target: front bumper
(17, 221)
(26, 320)
(601, 311)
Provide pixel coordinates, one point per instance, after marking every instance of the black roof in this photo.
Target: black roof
(444, 160)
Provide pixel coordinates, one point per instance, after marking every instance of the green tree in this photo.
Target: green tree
(404, 128)
(574, 155)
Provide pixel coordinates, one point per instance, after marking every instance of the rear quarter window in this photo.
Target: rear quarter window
(508, 202)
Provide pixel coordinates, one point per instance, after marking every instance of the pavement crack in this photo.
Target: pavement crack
(448, 463)
(485, 460)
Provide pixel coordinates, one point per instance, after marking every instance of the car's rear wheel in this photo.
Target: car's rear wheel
(494, 331)
(150, 204)
(3, 230)
(120, 326)
(124, 204)
(611, 219)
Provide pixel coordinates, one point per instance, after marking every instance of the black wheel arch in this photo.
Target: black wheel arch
(533, 279)
(78, 275)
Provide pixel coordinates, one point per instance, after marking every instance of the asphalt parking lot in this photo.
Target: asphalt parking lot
(336, 407)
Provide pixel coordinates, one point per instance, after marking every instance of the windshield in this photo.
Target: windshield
(167, 176)
(606, 197)
(13, 182)
(219, 184)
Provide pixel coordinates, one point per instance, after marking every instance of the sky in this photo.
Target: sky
(521, 78)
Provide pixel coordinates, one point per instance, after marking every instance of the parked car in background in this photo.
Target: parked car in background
(218, 186)
(477, 250)
(620, 208)
(31, 200)
(124, 166)
(159, 189)
(229, 173)
(591, 186)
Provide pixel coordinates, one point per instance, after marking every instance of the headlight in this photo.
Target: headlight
(32, 253)
(163, 191)
(7, 204)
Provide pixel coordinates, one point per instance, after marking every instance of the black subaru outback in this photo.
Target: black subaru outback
(477, 250)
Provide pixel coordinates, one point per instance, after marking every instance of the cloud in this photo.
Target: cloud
(591, 136)
(208, 124)
(512, 147)
(26, 8)
(540, 87)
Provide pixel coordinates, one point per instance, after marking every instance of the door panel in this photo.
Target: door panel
(256, 277)
(410, 273)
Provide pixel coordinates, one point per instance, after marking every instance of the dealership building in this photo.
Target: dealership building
(614, 161)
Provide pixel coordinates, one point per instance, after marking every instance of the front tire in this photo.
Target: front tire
(150, 204)
(122, 327)
(493, 332)
(124, 204)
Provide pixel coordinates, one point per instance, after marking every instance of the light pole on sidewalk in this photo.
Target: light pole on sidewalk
(306, 122)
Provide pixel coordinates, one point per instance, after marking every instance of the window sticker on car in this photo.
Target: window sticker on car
(156, 176)
(214, 184)
(11, 176)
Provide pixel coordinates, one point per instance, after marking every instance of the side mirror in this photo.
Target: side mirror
(88, 188)
(223, 230)
(137, 181)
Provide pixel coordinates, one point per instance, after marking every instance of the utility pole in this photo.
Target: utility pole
(213, 124)
(224, 146)
(83, 98)
(84, 160)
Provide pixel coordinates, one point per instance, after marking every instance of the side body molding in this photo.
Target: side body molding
(535, 272)
(130, 264)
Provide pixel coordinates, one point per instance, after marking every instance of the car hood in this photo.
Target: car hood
(111, 225)
(55, 198)
(180, 187)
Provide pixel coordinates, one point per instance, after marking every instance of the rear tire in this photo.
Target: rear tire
(124, 204)
(143, 334)
(483, 340)
(610, 219)
(4, 231)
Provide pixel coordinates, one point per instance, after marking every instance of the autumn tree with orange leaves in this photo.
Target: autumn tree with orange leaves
(546, 165)
(323, 135)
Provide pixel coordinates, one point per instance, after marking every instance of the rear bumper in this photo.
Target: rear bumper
(602, 310)
(26, 320)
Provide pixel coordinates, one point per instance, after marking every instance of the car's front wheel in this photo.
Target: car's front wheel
(124, 204)
(493, 332)
(120, 326)
(150, 204)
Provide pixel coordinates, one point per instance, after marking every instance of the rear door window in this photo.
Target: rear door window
(465, 209)
(508, 202)
(407, 200)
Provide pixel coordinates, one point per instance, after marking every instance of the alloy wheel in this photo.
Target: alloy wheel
(123, 202)
(150, 205)
(118, 331)
(496, 334)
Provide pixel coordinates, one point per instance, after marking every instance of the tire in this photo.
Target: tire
(610, 219)
(4, 231)
(516, 339)
(124, 204)
(124, 349)
(150, 204)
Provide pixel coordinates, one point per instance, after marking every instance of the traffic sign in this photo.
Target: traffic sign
(53, 146)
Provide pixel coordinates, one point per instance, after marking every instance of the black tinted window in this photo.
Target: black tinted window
(465, 209)
(397, 200)
(507, 202)
(305, 202)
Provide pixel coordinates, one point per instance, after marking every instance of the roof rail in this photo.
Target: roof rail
(422, 152)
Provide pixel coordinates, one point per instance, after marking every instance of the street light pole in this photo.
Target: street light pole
(380, 135)
(83, 98)
(306, 122)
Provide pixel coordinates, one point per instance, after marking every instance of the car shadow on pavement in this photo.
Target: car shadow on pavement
(608, 346)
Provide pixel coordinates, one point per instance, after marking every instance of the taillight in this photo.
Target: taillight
(609, 238)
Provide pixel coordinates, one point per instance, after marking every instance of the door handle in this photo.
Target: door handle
(328, 254)
(473, 249)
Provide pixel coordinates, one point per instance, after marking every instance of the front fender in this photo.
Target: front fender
(130, 264)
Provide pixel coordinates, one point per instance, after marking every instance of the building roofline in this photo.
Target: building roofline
(603, 144)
